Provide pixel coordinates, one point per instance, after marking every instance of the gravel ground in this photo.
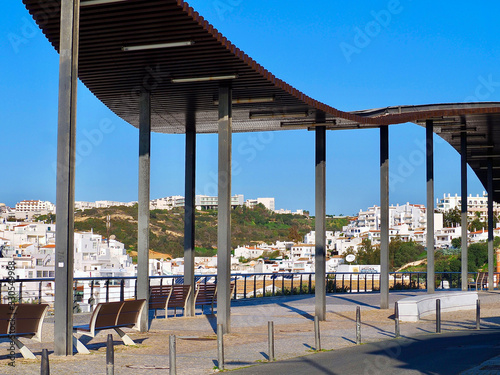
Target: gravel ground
(247, 343)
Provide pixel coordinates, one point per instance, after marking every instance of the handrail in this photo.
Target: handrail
(88, 291)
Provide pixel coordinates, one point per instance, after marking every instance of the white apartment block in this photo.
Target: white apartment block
(474, 204)
(80, 205)
(205, 202)
(411, 214)
(282, 211)
(310, 239)
(248, 252)
(302, 251)
(27, 208)
(18, 234)
(167, 203)
(267, 202)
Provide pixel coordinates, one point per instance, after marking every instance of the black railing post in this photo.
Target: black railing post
(107, 290)
(254, 286)
(300, 284)
(310, 283)
(478, 314)
(343, 282)
(39, 292)
(122, 290)
(20, 292)
(350, 282)
(135, 289)
(283, 284)
(264, 286)
(358, 283)
(274, 284)
(245, 287)
(291, 285)
(438, 316)
(235, 285)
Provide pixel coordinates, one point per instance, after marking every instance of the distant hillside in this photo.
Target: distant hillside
(249, 226)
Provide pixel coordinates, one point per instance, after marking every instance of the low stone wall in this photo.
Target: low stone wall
(411, 309)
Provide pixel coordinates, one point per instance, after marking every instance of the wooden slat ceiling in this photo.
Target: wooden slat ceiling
(115, 77)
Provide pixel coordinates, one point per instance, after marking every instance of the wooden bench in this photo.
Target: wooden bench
(481, 281)
(22, 320)
(205, 295)
(168, 296)
(111, 315)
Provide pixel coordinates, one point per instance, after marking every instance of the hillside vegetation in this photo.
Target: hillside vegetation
(249, 226)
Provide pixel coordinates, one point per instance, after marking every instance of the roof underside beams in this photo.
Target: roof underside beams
(262, 102)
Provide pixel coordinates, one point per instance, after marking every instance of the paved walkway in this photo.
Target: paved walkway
(247, 343)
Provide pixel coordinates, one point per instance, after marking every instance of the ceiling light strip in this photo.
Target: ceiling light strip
(204, 79)
(99, 2)
(158, 46)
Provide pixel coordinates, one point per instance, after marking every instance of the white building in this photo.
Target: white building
(302, 251)
(27, 208)
(205, 202)
(474, 204)
(411, 214)
(310, 239)
(248, 252)
(167, 203)
(267, 202)
(80, 205)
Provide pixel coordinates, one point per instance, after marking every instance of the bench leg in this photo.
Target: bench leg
(125, 338)
(80, 348)
(26, 353)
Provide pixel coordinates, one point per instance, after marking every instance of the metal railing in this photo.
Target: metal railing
(89, 291)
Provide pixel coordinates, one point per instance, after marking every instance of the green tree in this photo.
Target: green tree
(452, 217)
(293, 234)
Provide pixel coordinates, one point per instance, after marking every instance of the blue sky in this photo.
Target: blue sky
(350, 55)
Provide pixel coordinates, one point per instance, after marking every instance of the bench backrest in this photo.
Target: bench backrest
(205, 293)
(24, 319)
(158, 296)
(113, 314)
(179, 295)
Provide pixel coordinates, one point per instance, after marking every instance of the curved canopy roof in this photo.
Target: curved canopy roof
(114, 65)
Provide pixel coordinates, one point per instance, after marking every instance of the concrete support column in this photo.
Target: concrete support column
(143, 205)
(463, 168)
(65, 195)
(224, 210)
(491, 268)
(320, 214)
(384, 217)
(429, 133)
(189, 208)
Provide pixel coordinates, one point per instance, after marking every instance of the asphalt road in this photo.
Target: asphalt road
(449, 353)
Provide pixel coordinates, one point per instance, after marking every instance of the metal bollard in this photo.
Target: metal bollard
(317, 337)
(438, 316)
(172, 356)
(478, 314)
(220, 346)
(270, 341)
(45, 369)
(396, 320)
(358, 325)
(110, 356)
